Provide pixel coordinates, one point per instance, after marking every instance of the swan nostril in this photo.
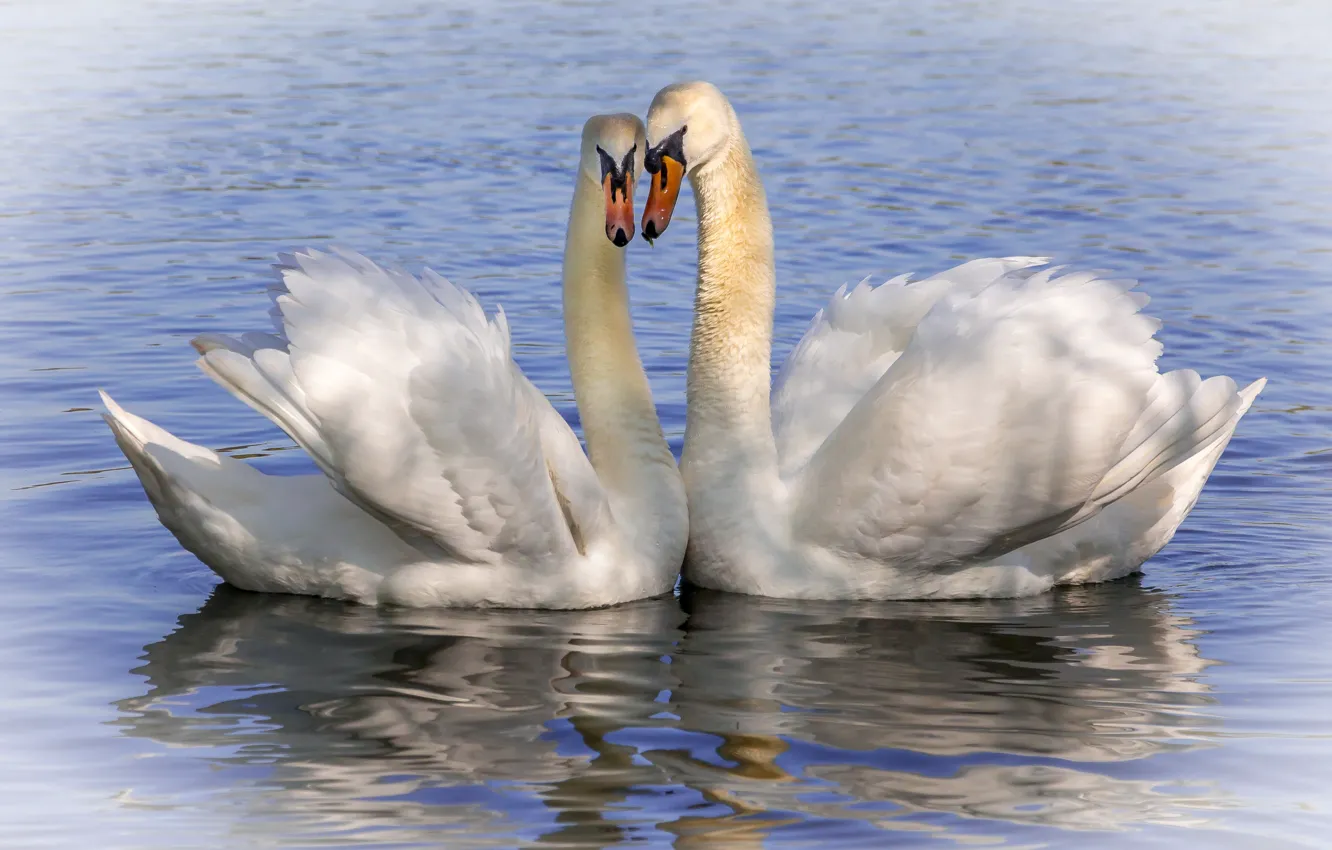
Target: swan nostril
(650, 229)
(620, 239)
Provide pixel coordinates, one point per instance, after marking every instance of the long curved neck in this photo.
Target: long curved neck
(731, 349)
(624, 439)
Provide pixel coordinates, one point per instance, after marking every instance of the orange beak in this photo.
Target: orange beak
(619, 210)
(664, 191)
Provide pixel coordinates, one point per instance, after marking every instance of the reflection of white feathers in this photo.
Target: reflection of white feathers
(1042, 665)
(1028, 794)
(360, 713)
(368, 708)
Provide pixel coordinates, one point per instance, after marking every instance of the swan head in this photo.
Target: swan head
(612, 157)
(688, 125)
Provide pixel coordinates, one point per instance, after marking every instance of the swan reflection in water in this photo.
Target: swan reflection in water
(717, 718)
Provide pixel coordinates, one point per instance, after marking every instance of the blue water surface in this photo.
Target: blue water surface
(155, 156)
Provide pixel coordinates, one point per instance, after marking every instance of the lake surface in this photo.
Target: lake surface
(154, 156)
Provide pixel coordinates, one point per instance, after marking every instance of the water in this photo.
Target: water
(156, 155)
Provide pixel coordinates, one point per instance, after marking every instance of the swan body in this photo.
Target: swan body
(993, 430)
(448, 478)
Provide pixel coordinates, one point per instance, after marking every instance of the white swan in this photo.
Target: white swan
(454, 480)
(990, 431)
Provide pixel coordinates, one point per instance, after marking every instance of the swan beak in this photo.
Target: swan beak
(619, 210)
(664, 191)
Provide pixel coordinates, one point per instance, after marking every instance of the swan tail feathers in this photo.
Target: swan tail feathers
(287, 534)
(135, 435)
(188, 485)
(138, 433)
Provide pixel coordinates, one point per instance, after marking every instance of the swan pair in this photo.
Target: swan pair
(993, 430)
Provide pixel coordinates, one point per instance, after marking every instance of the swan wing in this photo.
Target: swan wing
(1015, 411)
(405, 394)
(850, 344)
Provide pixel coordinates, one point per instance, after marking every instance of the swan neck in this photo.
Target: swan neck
(731, 347)
(620, 425)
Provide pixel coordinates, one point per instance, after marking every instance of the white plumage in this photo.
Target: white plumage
(454, 480)
(406, 395)
(1014, 411)
(993, 430)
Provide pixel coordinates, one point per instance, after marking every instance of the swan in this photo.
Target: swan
(993, 430)
(454, 481)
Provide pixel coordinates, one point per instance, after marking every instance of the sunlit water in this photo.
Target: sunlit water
(155, 156)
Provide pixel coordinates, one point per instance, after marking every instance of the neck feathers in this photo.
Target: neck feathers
(731, 349)
(614, 399)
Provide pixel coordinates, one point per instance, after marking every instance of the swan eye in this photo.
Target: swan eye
(618, 177)
(672, 146)
(607, 163)
(619, 173)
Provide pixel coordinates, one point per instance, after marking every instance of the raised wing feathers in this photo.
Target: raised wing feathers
(1017, 409)
(406, 395)
(850, 344)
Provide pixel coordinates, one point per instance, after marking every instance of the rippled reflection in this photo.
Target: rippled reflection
(715, 723)
(926, 708)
